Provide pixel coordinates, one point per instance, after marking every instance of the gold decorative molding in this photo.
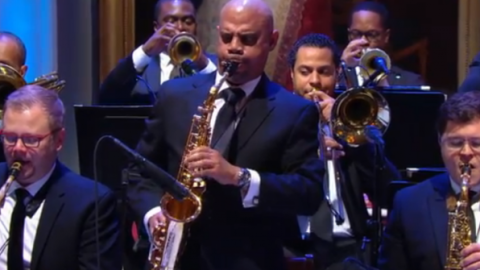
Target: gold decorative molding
(468, 35)
(117, 32)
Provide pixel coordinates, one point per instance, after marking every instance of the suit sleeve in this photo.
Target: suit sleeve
(109, 249)
(472, 81)
(299, 190)
(363, 158)
(392, 254)
(117, 87)
(143, 193)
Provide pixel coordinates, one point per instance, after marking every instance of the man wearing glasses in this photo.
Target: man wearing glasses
(416, 232)
(51, 217)
(369, 29)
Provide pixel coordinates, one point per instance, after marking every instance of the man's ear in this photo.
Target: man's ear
(274, 39)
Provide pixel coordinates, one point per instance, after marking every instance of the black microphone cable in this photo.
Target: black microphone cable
(95, 176)
(4, 246)
(151, 94)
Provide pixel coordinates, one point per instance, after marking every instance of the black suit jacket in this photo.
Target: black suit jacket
(398, 77)
(277, 137)
(416, 234)
(65, 237)
(472, 81)
(358, 167)
(122, 86)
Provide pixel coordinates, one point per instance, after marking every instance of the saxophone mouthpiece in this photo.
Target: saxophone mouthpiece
(230, 67)
(466, 169)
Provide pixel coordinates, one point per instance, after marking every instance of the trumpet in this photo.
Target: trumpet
(184, 49)
(12, 175)
(374, 63)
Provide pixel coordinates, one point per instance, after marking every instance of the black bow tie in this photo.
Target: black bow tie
(232, 95)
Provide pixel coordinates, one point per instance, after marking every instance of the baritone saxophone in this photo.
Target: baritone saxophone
(459, 231)
(167, 238)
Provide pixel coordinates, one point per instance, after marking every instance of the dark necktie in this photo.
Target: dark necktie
(226, 117)
(176, 72)
(17, 224)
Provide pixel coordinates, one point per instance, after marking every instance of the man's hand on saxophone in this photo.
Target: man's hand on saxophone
(207, 162)
(471, 257)
(155, 220)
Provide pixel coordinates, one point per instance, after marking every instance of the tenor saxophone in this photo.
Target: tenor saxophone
(459, 232)
(167, 237)
(12, 175)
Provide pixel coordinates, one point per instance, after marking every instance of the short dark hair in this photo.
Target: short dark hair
(158, 6)
(460, 108)
(317, 41)
(374, 7)
(21, 46)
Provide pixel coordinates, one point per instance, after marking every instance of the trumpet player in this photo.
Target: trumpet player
(13, 52)
(369, 29)
(416, 234)
(136, 78)
(336, 230)
(47, 214)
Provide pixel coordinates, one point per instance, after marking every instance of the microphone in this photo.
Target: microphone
(380, 64)
(374, 136)
(178, 191)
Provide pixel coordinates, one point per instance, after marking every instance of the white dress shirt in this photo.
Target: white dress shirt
(141, 60)
(251, 197)
(31, 223)
(475, 206)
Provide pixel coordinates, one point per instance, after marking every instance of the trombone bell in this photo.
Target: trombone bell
(356, 109)
(183, 47)
(11, 80)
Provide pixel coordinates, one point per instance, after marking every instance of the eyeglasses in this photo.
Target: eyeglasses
(458, 144)
(371, 35)
(29, 141)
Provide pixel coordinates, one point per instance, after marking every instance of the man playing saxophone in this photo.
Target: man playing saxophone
(136, 78)
(263, 170)
(338, 228)
(424, 218)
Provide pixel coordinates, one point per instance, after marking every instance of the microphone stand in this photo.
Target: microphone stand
(123, 206)
(376, 220)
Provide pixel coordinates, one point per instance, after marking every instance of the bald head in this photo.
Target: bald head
(255, 7)
(246, 35)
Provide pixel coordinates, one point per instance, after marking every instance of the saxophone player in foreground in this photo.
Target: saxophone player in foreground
(47, 214)
(261, 168)
(339, 227)
(434, 225)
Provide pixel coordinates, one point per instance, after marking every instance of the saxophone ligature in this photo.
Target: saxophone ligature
(459, 232)
(12, 175)
(167, 237)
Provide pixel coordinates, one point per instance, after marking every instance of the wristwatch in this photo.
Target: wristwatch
(244, 178)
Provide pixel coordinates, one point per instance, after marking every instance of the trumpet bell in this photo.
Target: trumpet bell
(182, 47)
(369, 61)
(356, 109)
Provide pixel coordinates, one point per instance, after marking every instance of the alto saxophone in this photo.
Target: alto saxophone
(167, 237)
(12, 175)
(459, 232)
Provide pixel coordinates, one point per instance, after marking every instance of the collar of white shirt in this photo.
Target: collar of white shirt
(456, 187)
(165, 60)
(247, 87)
(35, 186)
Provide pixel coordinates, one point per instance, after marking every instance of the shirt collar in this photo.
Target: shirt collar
(35, 186)
(247, 87)
(456, 187)
(165, 59)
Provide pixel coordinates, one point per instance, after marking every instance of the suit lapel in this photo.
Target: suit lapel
(259, 106)
(54, 202)
(438, 212)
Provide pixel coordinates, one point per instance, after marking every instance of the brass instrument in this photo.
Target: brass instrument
(166, 238)
(11, 80)
(12, 175)
(459, 232)
(369, 64)
(184, 49)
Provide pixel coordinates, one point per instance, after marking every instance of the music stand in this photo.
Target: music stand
(411, 138)
(92, 122)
